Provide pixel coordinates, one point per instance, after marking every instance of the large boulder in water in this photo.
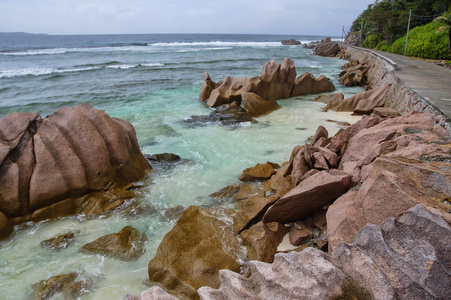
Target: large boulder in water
(327, 48)
(257, 95)
(197, 247)
(70, 153)
(308, 84)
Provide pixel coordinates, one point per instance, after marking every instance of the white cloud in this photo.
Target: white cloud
(179, 16)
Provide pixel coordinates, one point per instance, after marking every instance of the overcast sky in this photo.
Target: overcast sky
(313, 17)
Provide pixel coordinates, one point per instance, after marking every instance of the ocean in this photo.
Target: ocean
(154, 82)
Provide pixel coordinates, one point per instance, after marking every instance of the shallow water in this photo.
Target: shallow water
(154, 83)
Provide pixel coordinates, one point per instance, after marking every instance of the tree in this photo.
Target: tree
(445, 19)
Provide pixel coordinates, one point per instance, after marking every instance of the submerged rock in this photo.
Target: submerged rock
(128, 244)
(60, 242)
(400, 259)
(197, 247)
(63, 284)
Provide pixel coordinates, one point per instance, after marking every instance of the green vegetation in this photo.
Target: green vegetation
(424, 41)
(384, 24)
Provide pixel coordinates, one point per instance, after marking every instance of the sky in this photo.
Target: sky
(297, 17)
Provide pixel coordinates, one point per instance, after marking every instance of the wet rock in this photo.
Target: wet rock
(72, 152)
(247, 191)
(262, 240)
(225, 194)
(197, 247)
(5, 227)
(163, 157)
(327, 48)
(307, 84)
(172, 213)
(227, 115)
(60, 242)
(310, 195)
(128, 244)
(250, 210)
(400, 259)
(259, 172)
(291, 42)
(63, 284)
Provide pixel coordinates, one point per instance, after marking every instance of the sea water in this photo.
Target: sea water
(153, 81)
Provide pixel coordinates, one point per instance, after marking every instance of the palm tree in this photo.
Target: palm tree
(445, 19)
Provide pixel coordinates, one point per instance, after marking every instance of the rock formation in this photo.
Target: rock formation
(48, 165)
(327, 48)
(192, 253)
(291, 42)
(355, 73)
(360, 103)
(128, 244)
(404, 258)
(257, 96)
(64, 285)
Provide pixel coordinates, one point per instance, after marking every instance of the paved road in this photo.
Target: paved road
(430, 81)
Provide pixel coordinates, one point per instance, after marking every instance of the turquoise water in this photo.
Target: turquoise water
(153, 81)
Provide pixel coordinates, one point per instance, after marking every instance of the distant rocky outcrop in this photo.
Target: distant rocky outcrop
(251, 97)
(327, 48)
(291, 42)
(61, 165)
(403, 258)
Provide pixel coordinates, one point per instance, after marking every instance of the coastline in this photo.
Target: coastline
(400, 96)
(281, 172)
(414, 110)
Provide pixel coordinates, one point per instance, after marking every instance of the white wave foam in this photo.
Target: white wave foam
(152, 65)
(40, 71)
(37, 52)
(218, 44)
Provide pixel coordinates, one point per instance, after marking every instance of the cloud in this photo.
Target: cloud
(324, 17)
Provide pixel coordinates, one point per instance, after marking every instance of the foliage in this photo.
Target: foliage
(388, 19)
(382, 46)
(371, 41)
(445, 21)
(425, 42)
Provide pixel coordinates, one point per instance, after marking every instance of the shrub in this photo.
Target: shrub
(383, 46)
(425, 42)
(371, 41)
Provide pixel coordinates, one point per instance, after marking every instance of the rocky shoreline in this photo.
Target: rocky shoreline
(322, 200)
(297, 230)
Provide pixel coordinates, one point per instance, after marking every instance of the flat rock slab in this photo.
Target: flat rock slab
(309, 196)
